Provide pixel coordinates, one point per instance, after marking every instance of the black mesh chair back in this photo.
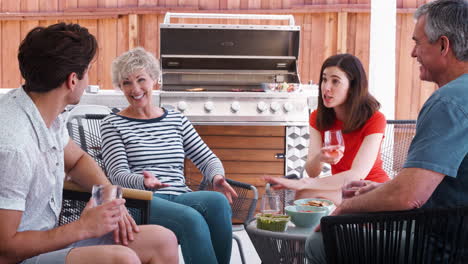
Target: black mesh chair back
(84, 129)
(72, 205)
(417, 236)
(395, 145)
(243, 207)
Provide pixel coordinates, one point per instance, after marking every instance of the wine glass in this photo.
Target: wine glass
(105, 193)
(333, 143)
(270, 204)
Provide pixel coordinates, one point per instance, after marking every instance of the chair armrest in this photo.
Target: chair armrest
(239, 184)
(424, 235)
(243, 207)
(127, 193)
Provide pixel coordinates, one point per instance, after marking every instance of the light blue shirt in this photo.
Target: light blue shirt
(441, 143)
(31, 162)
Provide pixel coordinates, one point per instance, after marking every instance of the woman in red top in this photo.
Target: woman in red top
(345, 104)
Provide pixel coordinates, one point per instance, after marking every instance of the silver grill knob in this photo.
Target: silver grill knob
(288, 107)
(275, 106)
(235, 107)
(261, 106)
(182, 106)
(209, 106)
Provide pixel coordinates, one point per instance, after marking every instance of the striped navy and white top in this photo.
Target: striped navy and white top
(159, 145)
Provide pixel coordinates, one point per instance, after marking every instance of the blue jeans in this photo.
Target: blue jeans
(314, 248)
(201, 221)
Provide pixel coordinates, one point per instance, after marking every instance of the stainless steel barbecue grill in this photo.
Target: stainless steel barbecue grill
(221, 74)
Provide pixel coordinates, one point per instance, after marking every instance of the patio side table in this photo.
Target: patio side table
(279, 247)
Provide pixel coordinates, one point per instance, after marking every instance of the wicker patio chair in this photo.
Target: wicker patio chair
(395, 145)
(416, 236)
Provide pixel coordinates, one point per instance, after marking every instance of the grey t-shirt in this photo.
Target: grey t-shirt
(31, 162)
(441, 143)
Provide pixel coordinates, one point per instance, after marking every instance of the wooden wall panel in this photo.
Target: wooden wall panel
(129, 3)
(360, 38)
(87, 3)
(145, 3)
(149, 37)
(411, 92)
(107, 35)
(48, 5)
(122, 35)
(10, 32)
(209, 4)
(259, 131)
(92, 26)
(28, 5)
(63, 5)
(249, 154)
(254, 142)
(404, 81)
(10, 42)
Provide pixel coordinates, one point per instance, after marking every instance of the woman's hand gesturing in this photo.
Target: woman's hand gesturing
(152, 182)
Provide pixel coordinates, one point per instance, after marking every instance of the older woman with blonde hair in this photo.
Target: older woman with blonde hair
(144, 147)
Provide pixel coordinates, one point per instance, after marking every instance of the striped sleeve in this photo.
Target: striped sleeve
(200, 154)
(115, 158)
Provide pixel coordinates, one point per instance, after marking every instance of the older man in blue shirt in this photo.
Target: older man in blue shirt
(436, 170)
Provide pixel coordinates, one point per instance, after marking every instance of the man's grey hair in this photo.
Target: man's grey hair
(447, 18)
(134, 60)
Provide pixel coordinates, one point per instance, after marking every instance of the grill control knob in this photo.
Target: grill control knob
(275, 106)
(288, 107)
(261, 106)
(235, 106)
(182, 106)
(209, 106)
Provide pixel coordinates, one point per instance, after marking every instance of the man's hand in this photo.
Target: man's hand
(356, 188)
(368, 187)
(152, 182)
(127, 226)
(221, 185)
(100, 220)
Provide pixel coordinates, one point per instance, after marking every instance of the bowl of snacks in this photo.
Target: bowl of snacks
(304, 215)
(316, 202)
(272, 222)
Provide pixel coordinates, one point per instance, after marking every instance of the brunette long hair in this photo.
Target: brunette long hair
(360, 105)
(48, 55)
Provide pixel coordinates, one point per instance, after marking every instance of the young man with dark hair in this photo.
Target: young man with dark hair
(36, 153)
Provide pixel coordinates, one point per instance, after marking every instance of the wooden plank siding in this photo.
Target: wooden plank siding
(327, 27)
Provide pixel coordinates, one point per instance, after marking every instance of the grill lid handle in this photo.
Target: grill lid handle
(169, 15)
